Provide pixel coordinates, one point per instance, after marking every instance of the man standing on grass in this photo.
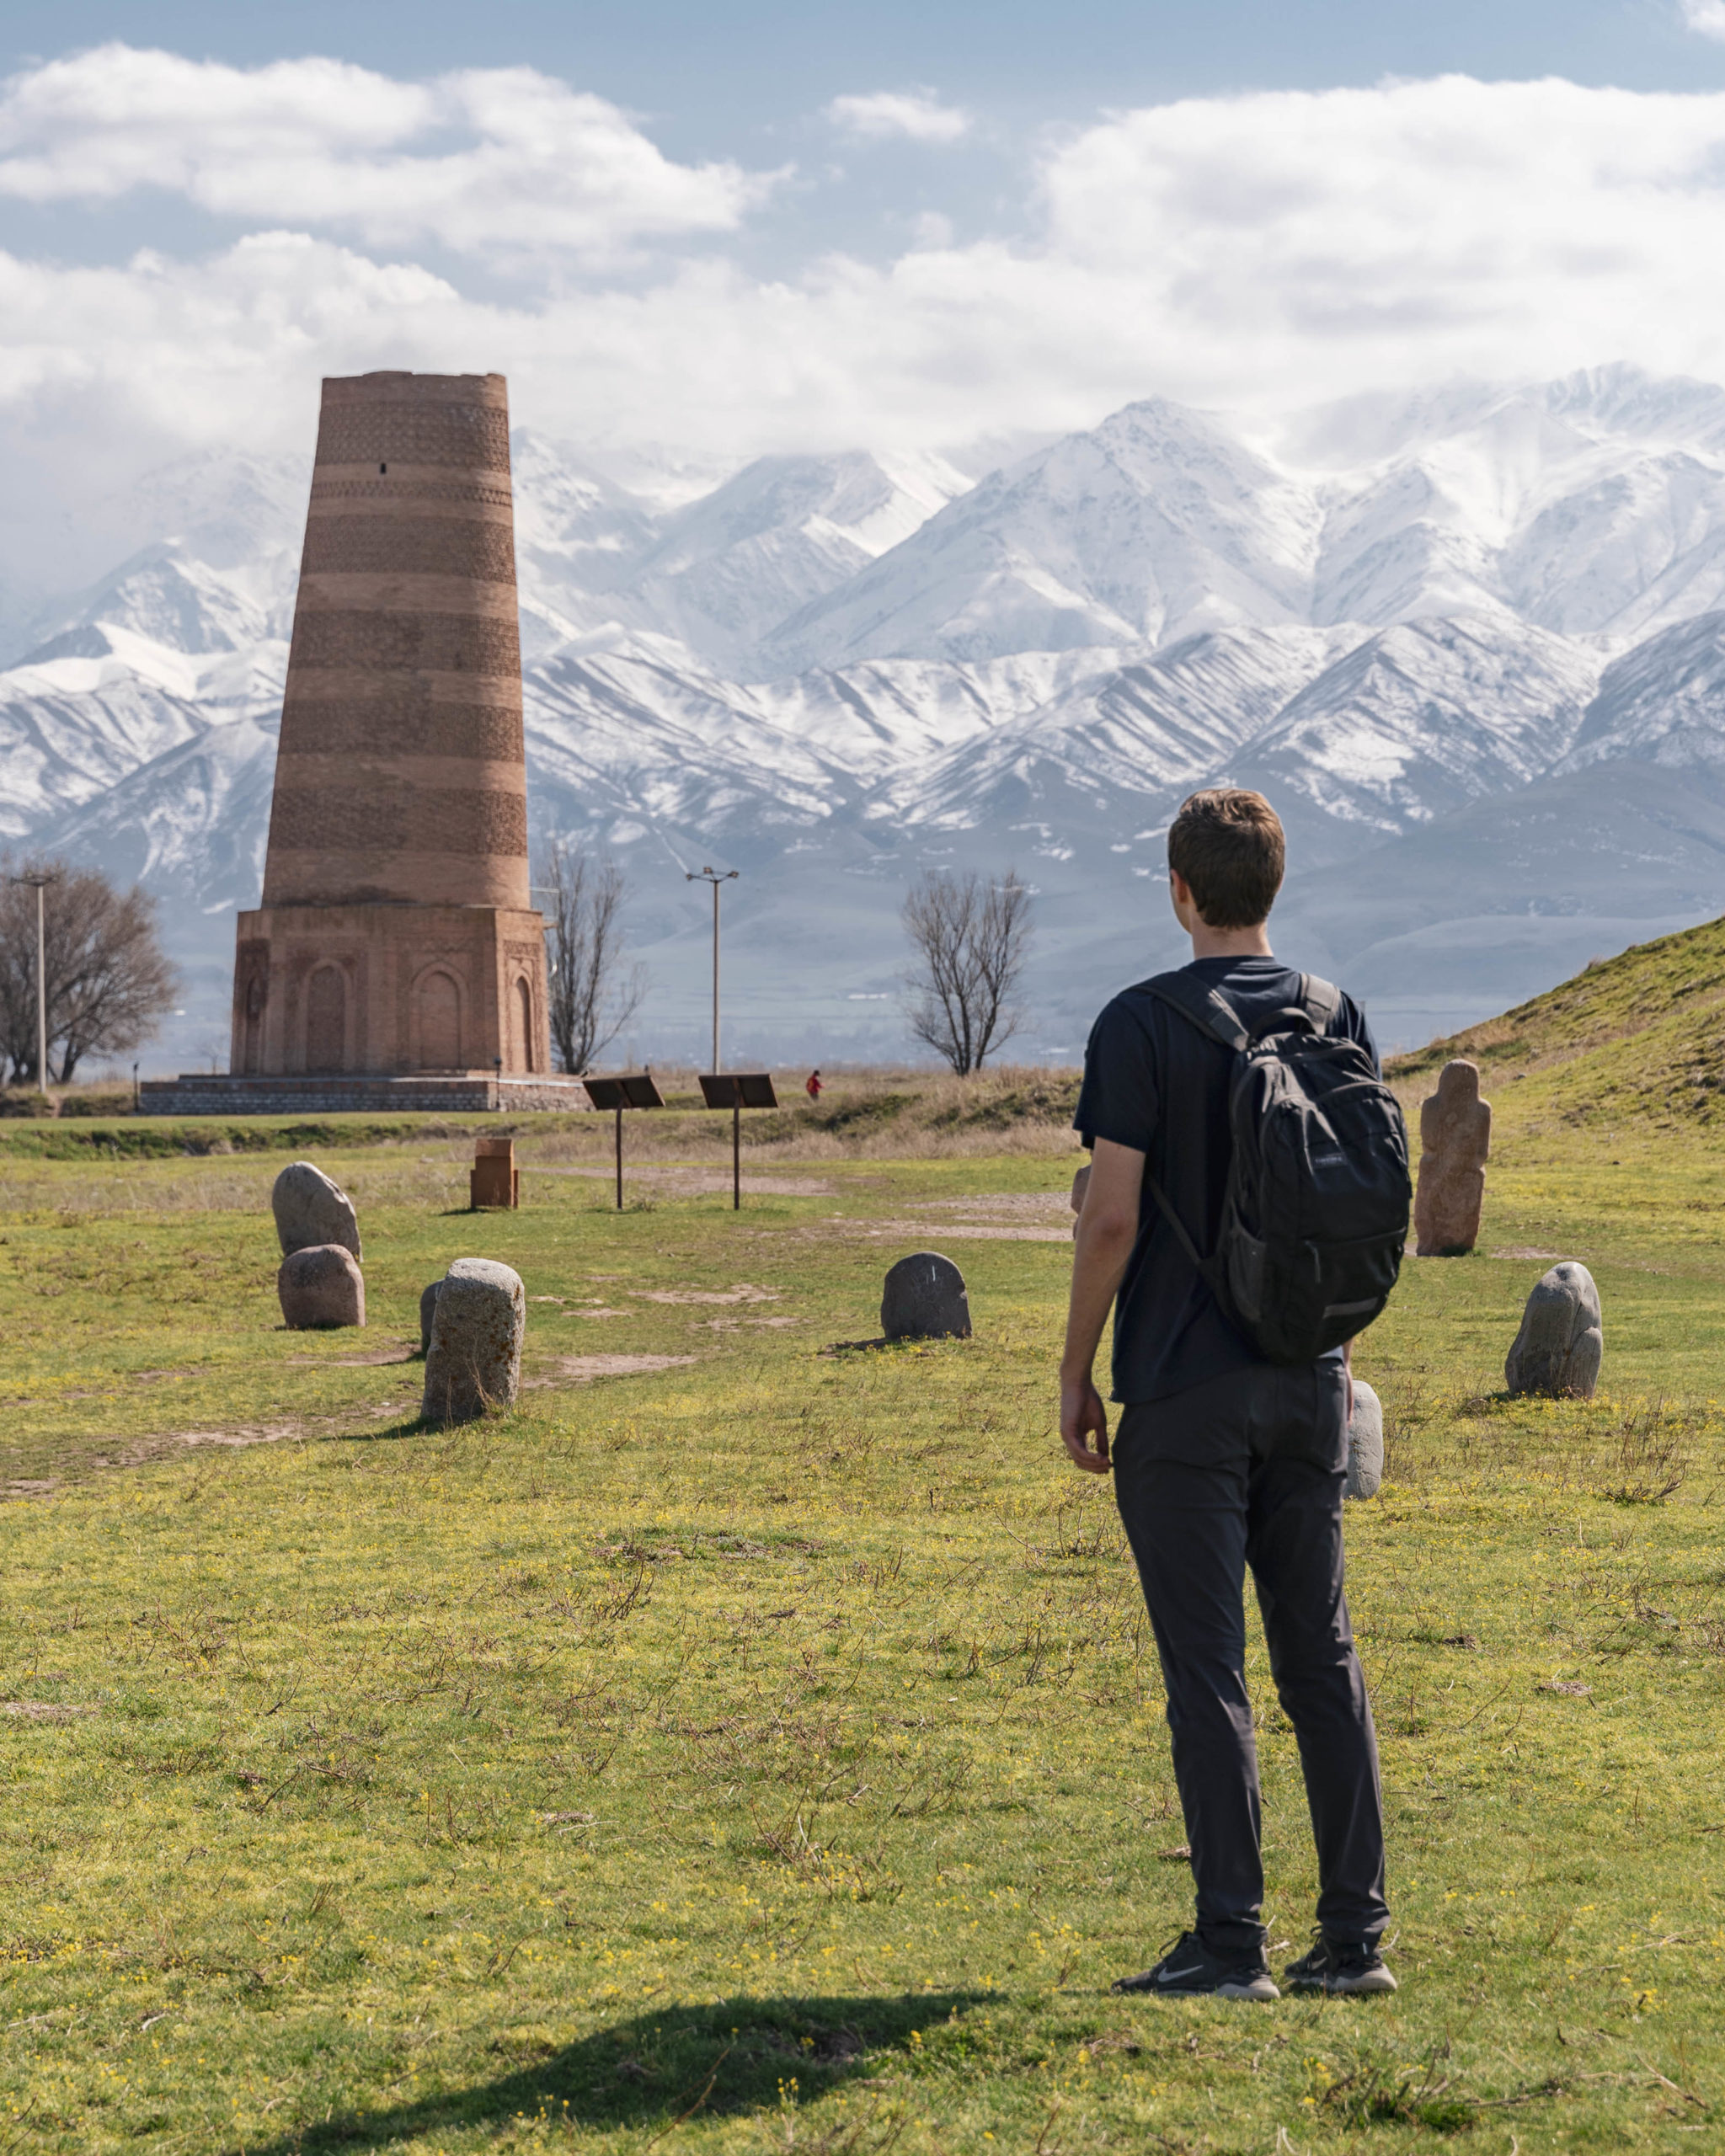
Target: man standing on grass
(1223, 1460)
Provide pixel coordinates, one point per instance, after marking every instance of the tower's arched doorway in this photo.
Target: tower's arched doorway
(257, 990)
(437, 1021)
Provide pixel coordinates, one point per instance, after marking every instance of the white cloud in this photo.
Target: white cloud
(503, 162)
(1706, 16)
(919, 115)
(1263, 251)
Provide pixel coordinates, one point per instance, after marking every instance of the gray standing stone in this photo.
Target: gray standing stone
(427, 1310)
(924, 1299)
(1562, 1342)
(1455, 1141)
(319, 1286)
(309, 1208)
(1365, 1443)
(478, 1322)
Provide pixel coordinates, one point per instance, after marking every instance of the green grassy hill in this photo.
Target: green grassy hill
(1639, 1038)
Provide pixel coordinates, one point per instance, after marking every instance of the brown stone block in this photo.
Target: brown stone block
(493, 1179)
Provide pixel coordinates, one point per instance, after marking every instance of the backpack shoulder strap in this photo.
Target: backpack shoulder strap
(1323, 1003)
(1205, 1007)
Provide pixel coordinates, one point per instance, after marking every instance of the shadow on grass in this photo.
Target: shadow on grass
(655, 2070)
(415, 1426)
(899, 1343)
(410, 1425)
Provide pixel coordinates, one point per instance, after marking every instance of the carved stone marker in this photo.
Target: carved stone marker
(1455, 1138)
(311, 1209)
(493, 1179)
(320, 1286)
(1562, 1342)
(474, 1362)
(1365, 1443)
(427, 1310)
(1081, 1184)
(924, 1299)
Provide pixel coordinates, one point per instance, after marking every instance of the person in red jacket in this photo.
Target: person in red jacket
(812, 1087)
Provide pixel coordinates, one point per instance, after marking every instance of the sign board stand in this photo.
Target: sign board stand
(737, 1091)
(632, 1089)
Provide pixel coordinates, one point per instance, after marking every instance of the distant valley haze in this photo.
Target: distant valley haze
(923, 467)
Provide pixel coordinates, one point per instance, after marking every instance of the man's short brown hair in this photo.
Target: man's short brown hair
(1228, 845)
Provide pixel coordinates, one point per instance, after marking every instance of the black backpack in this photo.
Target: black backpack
(1314, 1214)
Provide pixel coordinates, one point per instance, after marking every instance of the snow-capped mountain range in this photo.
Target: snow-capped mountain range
(1471, 641)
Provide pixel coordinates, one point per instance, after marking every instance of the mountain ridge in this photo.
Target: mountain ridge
(1031, 669)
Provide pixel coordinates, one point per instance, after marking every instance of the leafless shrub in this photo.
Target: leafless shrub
(592, 999)
(1652, 1457)
(108, 979)
(971, 939)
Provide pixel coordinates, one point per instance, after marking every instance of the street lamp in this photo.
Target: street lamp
(712, 876)
(41, 878)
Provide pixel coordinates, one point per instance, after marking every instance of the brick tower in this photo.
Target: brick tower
(397, 953)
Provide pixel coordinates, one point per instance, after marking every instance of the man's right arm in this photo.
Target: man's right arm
(1108, 1228)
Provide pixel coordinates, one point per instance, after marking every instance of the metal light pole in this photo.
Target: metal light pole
(41, 882)
(712, 876)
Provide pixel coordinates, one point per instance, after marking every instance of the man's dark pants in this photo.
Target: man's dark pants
(1247, 1470)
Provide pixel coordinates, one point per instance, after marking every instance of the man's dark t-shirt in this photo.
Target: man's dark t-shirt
(1153, 1081)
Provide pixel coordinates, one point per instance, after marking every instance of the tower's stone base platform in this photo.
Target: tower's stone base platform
(458, 1093)
(386, 989)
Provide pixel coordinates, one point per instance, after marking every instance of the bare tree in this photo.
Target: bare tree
(109, 979)
(970, 939)
(592, 999)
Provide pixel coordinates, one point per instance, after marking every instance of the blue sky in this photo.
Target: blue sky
(714, 73)
(921, 225)
(751, 81)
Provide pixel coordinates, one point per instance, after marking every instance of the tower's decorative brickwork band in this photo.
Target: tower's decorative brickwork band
(397, 940)
(400, 778)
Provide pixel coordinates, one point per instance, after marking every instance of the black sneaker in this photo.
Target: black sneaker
(1188, 1969)
(1346, 1970)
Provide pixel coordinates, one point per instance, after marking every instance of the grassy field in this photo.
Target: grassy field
(745, 1746)
(900, 1113)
